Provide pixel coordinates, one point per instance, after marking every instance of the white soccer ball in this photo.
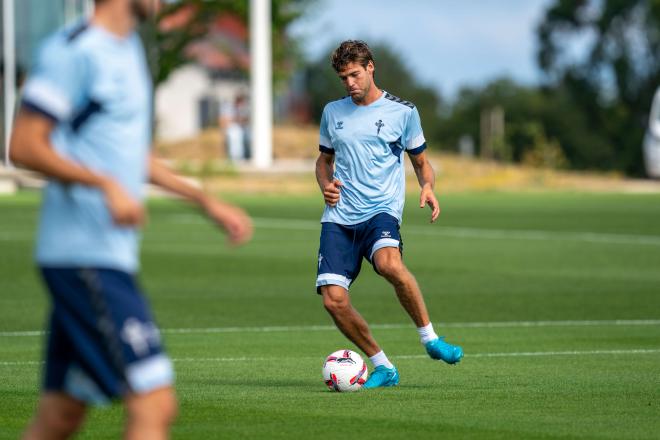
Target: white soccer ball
(344, 370)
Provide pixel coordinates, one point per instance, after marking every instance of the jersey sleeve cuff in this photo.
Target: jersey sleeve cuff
(324, 140)
(416, 151)
(41, 96)
(35, 108)
(324, 149)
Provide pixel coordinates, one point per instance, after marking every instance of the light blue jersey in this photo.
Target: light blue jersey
(368, 143)
(97, 88)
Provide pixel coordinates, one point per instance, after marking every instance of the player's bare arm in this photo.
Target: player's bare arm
(426, 179)
(329, 187)
(232, 219)
(31, 148)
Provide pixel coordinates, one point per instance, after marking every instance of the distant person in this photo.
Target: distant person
(360, 171)
(85, 122)
(235, 119)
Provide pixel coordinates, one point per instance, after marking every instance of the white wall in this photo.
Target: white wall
(176, 106)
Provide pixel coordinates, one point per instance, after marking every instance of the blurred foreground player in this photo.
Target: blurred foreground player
(85, 122)
(360, 172)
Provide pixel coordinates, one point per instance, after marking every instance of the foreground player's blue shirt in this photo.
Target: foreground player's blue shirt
(96, 87)
(368, 143)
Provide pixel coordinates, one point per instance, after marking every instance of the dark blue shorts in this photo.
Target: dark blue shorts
(102, 341)
(343, 247)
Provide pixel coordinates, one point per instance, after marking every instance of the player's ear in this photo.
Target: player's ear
(371, 67)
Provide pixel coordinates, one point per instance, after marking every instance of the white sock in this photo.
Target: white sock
(426, 333)
(380, 359)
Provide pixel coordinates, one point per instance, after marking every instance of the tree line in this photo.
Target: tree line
(589, 112)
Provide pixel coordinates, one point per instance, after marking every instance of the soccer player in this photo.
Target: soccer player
(85, 122)
(360, 172)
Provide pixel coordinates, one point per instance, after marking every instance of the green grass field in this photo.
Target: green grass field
(554, 297)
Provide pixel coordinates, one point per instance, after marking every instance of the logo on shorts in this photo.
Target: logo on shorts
(320, 259)
(386, 234)
(339, 125)
(140, 335)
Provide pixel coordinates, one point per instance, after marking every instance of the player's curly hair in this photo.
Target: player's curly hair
(351, 51)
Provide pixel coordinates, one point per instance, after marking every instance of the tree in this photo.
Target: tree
(611, 83)
(167, 46)
(530, 131)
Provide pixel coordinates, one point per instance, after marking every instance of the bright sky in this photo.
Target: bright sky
(448, 43)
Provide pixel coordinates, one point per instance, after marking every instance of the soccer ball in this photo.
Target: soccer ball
(344, 370)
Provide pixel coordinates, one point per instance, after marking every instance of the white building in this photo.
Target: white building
(186, 103)
(190, 101)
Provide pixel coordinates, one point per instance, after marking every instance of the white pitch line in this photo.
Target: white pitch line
(25, 333)
(439, 231)
(635, 351)
(493, 234)
(20, 363)
(547, 353)
(437, 325)
(469, 355)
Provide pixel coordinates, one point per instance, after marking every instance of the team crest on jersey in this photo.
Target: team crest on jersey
(339, 125)
(380, 125)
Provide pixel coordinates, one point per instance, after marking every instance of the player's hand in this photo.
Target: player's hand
(124, 209)
(232, 219)
(427, 197)
(331, 192)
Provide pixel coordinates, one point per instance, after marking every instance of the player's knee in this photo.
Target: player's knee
(168, 408)
(63, 421)
(335, 303)
(158, 408)
(391, 268)
(70, 424)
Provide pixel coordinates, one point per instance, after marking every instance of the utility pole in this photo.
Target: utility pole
(261, 67)
(9, 74)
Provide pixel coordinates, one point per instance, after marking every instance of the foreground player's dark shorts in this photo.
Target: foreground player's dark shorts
(102, 341)
(343, 247)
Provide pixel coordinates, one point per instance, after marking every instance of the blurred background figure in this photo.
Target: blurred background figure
(652, 140)
(235, 123)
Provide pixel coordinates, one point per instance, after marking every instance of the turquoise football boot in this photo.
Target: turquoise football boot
(382, 377)
(440, 350)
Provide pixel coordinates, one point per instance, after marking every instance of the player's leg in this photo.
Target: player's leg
(339, 262)
(384, 251)
(389, 264)
(348, 320)
(58, 416)
(149, 415)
